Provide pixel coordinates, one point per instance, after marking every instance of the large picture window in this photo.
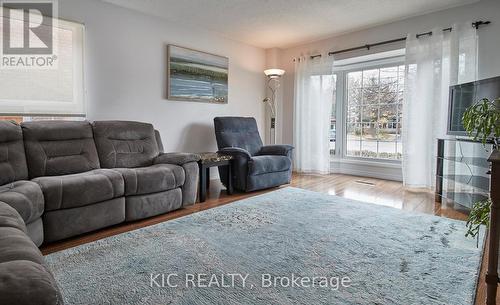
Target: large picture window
(373, 112)
(50, 91)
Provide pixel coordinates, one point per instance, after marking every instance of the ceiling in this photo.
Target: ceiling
(284, 23)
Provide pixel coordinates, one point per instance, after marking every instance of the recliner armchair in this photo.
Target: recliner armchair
(255, 166)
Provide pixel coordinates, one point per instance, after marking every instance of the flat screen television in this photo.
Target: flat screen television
(464, 95)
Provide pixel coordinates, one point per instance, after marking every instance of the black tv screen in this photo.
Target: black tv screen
(464, 95)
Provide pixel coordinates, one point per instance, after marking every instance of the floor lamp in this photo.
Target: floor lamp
(273, 83)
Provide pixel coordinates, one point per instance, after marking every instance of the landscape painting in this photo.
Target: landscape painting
(197, 76)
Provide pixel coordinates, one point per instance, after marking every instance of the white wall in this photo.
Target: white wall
(489, 45)
(125, 62)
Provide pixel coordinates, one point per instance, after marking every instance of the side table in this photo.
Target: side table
(207, 161)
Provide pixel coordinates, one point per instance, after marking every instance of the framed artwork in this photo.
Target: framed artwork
(196, 76)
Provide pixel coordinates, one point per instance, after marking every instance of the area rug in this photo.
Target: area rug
(289, 246)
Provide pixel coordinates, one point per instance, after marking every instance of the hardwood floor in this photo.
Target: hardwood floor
(381, 192)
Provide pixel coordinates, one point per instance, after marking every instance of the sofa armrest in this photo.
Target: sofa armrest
(189, 163)
(236, 152)
(25, 282)
(190, 186)
(159, 142)
(281, 150)
(239, 166)
(176, 158)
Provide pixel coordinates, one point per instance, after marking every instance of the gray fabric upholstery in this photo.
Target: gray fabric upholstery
(280, 150)
(24, 280)
(190, 186)
(66, 223)
(76, 190)
(124, 144)
(25, 197)
(238, 132)
(176, 158)
(27, 283)
(35, 231)
(12, 158)
(259, 165)
(159, 141)
(16, 245)
(254, 166)
(70, 194)
(56, 148)
(267, 180)
(9, 217)
(144, 206)
(240, 161)
(152, 179)
(236, 152)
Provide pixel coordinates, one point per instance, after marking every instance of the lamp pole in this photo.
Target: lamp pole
(273, 84)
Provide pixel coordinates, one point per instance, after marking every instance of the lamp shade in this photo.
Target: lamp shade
(274, 73)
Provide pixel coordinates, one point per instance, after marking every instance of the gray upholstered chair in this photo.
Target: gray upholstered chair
(255, 166)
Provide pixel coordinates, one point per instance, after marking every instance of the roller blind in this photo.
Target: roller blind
(57, 90)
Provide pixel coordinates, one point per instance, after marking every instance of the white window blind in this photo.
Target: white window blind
(54, 91)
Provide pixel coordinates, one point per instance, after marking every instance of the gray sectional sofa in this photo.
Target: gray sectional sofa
(59, 179)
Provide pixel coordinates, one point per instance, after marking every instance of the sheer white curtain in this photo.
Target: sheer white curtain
(314, 83)
(433, 63)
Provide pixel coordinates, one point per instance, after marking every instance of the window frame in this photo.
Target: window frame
(79, 82)
(342, 108)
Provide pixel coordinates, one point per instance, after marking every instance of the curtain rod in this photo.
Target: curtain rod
(475, 24)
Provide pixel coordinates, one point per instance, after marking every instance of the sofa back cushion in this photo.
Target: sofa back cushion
(56, 148)
(238, 132)
(125, 144)
(159, 142)
(12, 157)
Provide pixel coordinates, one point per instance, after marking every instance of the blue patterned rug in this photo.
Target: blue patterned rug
(289, 246)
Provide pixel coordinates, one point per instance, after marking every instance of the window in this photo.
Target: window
(20, 119)
(50, 91)
(373, 103)
(366, 119)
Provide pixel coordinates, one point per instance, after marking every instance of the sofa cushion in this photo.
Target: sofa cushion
(9, 217)
(35, 231)
(268, 164)
(12, 158)
(66, 223)
(152, 179)
(159, 141)
(238, 132)
(27, 283)
(16, 245)
(56, 148)
(25, 197)
(76, 190)
(144, 206)
(124, 144)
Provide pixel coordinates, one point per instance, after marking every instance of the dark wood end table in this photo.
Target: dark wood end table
(207, 161)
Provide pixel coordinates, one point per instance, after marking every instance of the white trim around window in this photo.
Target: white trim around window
(57, 91)
(340, 161)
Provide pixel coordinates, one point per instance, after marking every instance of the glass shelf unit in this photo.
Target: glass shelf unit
(462, 173)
